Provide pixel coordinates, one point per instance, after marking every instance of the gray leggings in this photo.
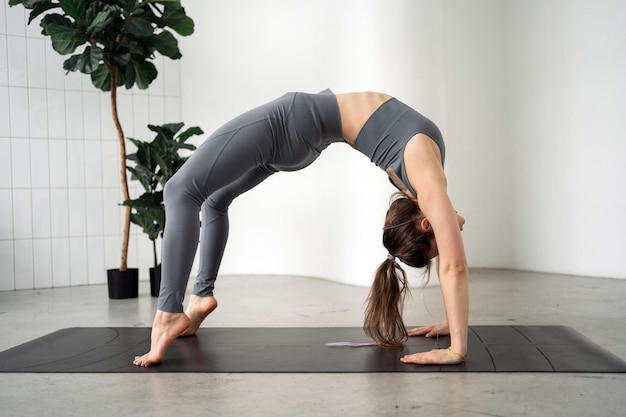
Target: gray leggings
(286, 134)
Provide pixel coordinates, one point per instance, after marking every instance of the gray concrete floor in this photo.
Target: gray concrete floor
(595, 307)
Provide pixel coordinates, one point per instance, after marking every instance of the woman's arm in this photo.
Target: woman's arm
(426, 175)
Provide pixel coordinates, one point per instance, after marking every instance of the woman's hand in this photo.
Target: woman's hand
(434, 357)
(430, 331)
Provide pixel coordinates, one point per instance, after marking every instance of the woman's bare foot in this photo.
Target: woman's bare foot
(197, 310)
(165, 329)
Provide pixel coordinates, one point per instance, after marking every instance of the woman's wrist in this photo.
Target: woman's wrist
(463, 356)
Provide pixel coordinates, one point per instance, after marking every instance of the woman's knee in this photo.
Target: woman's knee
(218, 202)
(175, 192)
(171, 191)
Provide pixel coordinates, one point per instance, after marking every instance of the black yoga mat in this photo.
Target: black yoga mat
(301, 350)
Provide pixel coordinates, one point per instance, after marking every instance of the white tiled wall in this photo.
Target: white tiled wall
(60, 223)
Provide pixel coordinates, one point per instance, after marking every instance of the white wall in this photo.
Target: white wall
(60, 223)
(529, 95)
(477, 89)
(518, 89)
(568, 136)
(325, 220)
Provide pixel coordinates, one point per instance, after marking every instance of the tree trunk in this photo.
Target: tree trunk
(122, 146)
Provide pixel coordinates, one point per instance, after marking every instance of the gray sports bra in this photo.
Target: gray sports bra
(386, 133)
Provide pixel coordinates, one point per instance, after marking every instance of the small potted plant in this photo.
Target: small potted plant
(154, 163)
(119, 39)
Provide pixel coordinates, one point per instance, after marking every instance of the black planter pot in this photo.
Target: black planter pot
(155, 281)
(123, 284)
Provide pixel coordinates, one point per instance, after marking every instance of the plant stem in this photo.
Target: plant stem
(154, 248)
(122, 145)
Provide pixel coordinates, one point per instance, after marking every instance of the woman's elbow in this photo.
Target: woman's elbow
(454, 269)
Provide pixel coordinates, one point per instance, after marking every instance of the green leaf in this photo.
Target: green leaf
(65, 41)
(64, 34)
(101, 78)
(186, 27)
(115, 54)
(75, 9)
(37, 7)
(192, 131)
(187, 146)
(129, 5)
(174, 16)
(144, 155)
(148, 213)
(129, 75)
(147, 200)
(135, 142)
(145, 73)
(165, 134)
(28, 4)
(90, 59)
(119, 59)
(167, 45)
(161, 158)
(87, 62)
(148, 220)
(55, 19)
(140, 175)
(71, 64)
(140, 28)
(167, 130)
(101, 20)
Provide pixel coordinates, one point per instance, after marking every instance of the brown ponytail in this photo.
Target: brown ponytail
(383, 315)
(404, 239)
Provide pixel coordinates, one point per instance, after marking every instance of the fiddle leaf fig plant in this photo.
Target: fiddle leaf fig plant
(114, 41)
(154, 163)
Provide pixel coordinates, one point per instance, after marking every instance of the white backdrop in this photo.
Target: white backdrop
(530, 97)
(326, 220)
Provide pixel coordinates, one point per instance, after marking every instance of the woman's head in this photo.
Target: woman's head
(406, 233)
(407, 237)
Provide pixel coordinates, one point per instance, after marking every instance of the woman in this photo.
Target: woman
(288, 134)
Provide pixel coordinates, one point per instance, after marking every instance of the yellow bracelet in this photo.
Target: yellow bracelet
(457, 353)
